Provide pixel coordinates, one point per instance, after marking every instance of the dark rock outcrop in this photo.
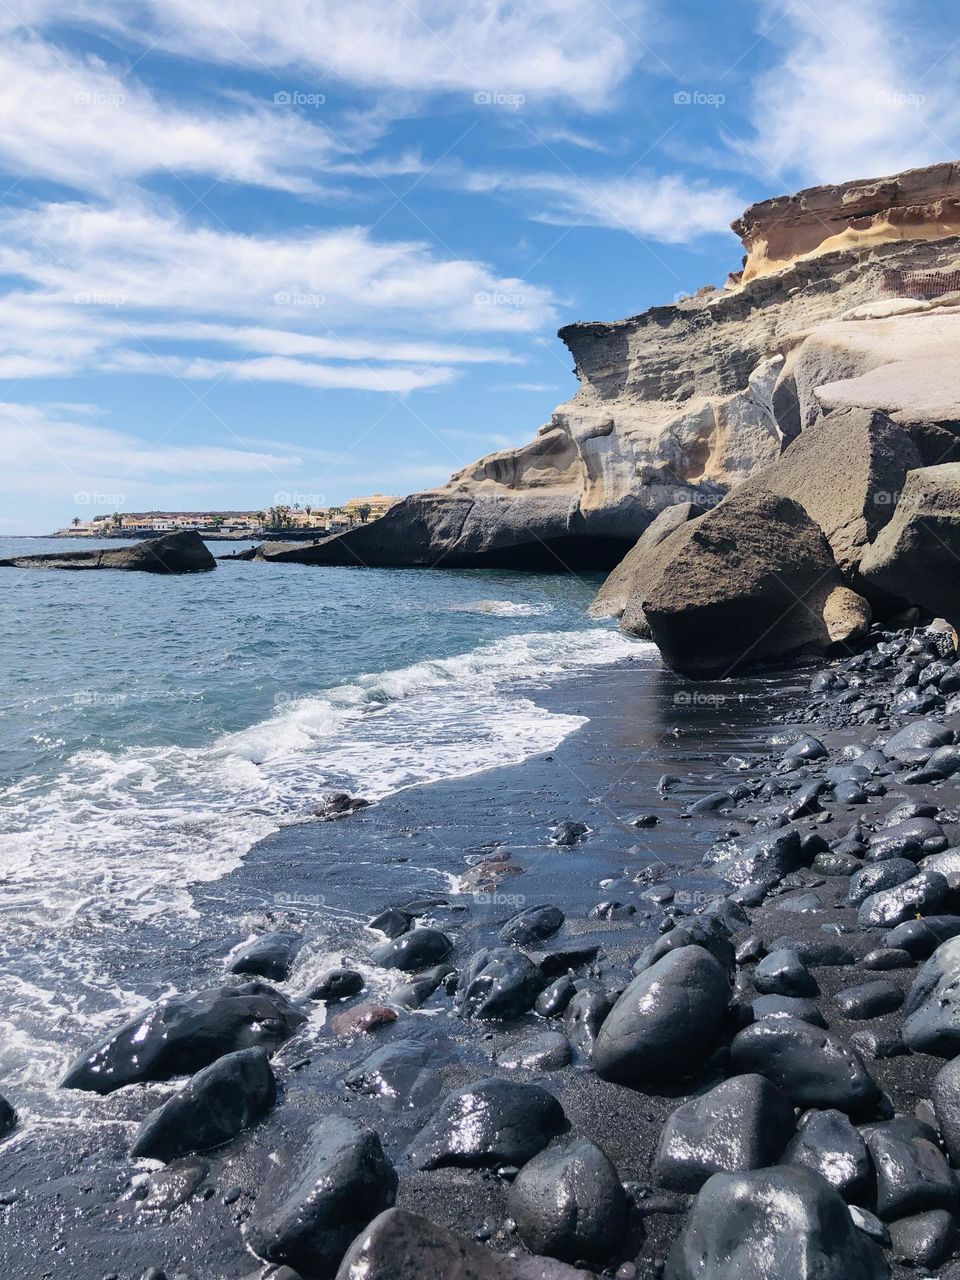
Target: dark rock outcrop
(173, 553)
(489, 1123)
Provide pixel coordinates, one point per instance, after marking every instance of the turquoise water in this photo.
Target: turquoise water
(154, 728)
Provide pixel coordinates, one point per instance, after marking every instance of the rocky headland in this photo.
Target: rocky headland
(172, 553)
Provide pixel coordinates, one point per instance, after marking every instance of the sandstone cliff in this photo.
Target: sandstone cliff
(845, 301)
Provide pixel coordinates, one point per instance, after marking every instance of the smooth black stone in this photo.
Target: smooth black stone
(320, 1192)
(180, 1035)
(215, 1105)
(490, 1123)
(560, 960)
(887, 958)
(708, 932)
(908, 809)
(336, 984)
(837, 864)
(877, 1044)
(8, 1117)
(395, 1073)
(499, 983)
(585, 1015)
(532, 925)
(878, 876)
(816, 953)
(869, 1000)
(569, 833)
(922, 937)
(828, 1143)
(744, 1123)
(666, 1021)
(783, 973)
(912, 1174)
(568, 1203)
(813, 1067)
(943, 763)
(931, 1021)
(750, 949)
(419, 949)
(787, 1007)
(925, 894)
(552, 1001)
(912, 839)
(924, 1239)
(393, 921)
(548, 1051)
(770, 858)
(730, 914)
(916, 742)
(712, 803)
(945, 1096)
(870, 1225)
(783, 1222)
(805, 749)
(269, 956)
(416, 992)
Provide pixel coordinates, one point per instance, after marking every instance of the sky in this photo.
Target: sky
(266, 251)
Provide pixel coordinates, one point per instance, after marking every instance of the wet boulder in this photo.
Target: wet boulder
(877, 877)
(318, 1194)
(182, 1034)
(912, 1174)
(922, 937)
(783, 1222)
(813, 1067)
(945, 1096)
(925, 894)
(499, 983)
(396, 1073)
(923, 1239)
(744, 1123)
(553, 1000)
(931, 1022)
(709, 931)
(548, 1051)
(215, 1105)
(490, 1123)
(335, 985)
(912, 838)
(419, 949)
(585, 1015)
(869, 999)
(827, 1143)
(915, 743)
(8, 1117)
(393, 922)
(666, 1021)
(783, 973)
(532, 925)
(768, 859)
(568, 1203)
(787, 1007)
(403, 1246)
(269, 955)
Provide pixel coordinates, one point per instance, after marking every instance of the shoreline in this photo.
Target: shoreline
(324, 879)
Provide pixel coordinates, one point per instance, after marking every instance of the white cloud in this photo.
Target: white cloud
(669, 208)
(853, 93)
(111, 289)
(556, 49)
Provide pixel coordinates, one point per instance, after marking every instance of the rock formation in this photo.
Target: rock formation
(849, 298)
(184, 552)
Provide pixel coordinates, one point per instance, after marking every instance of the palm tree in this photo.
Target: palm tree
(75, 522)
(363, 511)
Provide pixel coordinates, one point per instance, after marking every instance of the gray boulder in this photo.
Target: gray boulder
(568, 1202)
(267, 956)
(419, 949)
(173, 553)
(214, 1106)
(912, 1174)
(744, 1123)
(931, 1022)
(827, 1143)
(491, 1122)
(945, 1096)
(318, 1194)
(626, 586)
(499, 983)
(666, 1021)
(925, 894)
(813, 1067)
(782, 1222)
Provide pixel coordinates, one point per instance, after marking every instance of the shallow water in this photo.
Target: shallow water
(155, 729)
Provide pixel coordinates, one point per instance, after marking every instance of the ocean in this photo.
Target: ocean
(155, 729)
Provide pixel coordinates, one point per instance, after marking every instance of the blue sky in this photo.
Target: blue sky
(266, 250)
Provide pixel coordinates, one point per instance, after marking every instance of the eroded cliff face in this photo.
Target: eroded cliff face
(682, 403)
(920, 204)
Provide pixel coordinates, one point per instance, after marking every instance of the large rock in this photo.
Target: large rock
(318, 1194)
(945, 1096)
(403, 1246)
(629, 581)
(753, 579)
(782, 1222)
(211, 1108)
(568, 1202)
(499, 983)
(813, 1067)
(744, 1123)
(915, 556)
(931, 1013)
(181, 1034)
(490, 1123)
(666, 1021)
(173, 553)
(828, 1143)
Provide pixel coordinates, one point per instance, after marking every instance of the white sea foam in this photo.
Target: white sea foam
(502, 608)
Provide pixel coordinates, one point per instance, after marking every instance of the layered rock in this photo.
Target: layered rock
(184, 552)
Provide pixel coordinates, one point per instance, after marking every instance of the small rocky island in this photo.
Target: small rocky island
(183, 552)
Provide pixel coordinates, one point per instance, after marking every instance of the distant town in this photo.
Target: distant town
(280, 518)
